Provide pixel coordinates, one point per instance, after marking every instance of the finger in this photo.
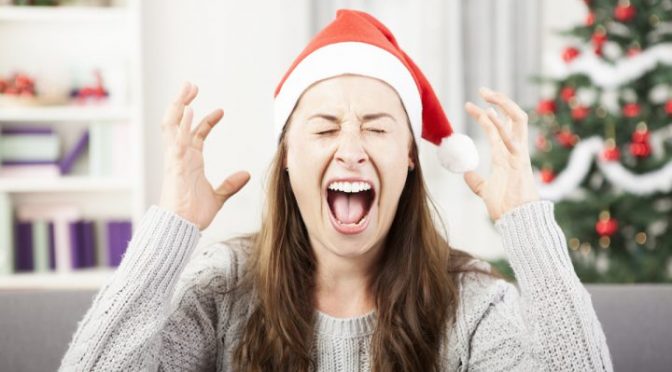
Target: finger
(517, 114)
(475, 182)
(503, 131)
(232, 185)
(173, 115)
(184, 131)
(482, 119)
(205, 126)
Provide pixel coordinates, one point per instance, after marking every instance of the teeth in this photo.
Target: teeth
(350, 187)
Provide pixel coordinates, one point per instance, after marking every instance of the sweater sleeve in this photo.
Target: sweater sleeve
(547, 323)
(132, 324)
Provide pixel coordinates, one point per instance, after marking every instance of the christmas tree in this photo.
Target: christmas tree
(604, 141)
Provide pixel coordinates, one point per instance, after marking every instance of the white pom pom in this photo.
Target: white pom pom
(458, 154)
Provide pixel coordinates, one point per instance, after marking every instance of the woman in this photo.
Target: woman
(348, 271)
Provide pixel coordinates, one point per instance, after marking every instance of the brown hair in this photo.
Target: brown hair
(415, 286)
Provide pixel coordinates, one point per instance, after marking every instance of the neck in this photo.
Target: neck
(343, 284)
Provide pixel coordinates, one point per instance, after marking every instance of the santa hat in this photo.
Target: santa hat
(357, 43)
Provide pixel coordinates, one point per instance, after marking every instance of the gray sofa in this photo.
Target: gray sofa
(36, 326)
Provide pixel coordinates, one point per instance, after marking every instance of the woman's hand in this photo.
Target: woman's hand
(185, 189)
(511, 181)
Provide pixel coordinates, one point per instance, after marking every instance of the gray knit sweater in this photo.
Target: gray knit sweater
(165, 310)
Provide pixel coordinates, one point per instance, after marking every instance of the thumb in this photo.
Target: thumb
(232, 185)
(475, 182)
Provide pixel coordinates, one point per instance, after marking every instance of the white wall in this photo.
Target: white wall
(237, 51)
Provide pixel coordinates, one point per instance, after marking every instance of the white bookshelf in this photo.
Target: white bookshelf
(45, 39)
(65, 184)
(64, 114)
(63, 14)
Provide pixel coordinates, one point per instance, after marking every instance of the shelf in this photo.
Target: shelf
(93, 278)
(62, 13)
(66, 183)
(63, 113)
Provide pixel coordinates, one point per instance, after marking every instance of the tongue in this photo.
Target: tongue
(349, 208)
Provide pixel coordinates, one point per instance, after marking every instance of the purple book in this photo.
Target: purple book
(75, 243)
(87, 246)
(52, 247)
(24, 246)
(26, 130)
(28, 162)
(69, 159)
(119, 234)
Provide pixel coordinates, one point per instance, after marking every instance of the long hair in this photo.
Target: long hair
(415, 285)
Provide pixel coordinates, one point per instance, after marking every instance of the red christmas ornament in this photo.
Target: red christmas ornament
(590, 19)
(566, 138)
(640, 135)
(631, 110)
(606, 226)
(567, 93)
(580, 112)
(640, 146)
(611, 153)
(546, 107)
(633, 51)
(547, 175)
(625, 12)
(668, 107)
(640, 150)
(569, 54)
(599, 38)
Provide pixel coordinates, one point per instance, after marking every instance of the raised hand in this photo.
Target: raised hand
(511, 182)
(185, 190)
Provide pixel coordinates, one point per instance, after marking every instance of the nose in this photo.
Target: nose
(350, 152)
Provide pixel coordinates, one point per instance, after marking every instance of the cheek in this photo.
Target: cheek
(393, 168)
(306, 165)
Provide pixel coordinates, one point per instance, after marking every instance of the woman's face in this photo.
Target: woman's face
(348, 155)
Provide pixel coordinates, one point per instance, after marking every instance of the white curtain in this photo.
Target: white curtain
(460, 45)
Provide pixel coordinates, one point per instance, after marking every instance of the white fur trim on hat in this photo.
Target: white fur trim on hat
(457, 153)
(349, 58)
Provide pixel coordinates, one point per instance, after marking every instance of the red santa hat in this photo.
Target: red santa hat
(357, 43)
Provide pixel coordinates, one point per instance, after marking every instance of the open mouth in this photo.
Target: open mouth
(349, 204)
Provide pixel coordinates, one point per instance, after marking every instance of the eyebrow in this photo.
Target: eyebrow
(367, 117)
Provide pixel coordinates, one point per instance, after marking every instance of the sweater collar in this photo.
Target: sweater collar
(357, 326)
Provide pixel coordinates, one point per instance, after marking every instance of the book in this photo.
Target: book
(24, 247)
(100, 149)
(50, 170)
(6, 235)
(52, 247)
(61, 216)
(88, 244)
(82, 244)
(40, 231)
(22, 147)
(71, 156)
(100, 237)
(26, 129)
(119, 235)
